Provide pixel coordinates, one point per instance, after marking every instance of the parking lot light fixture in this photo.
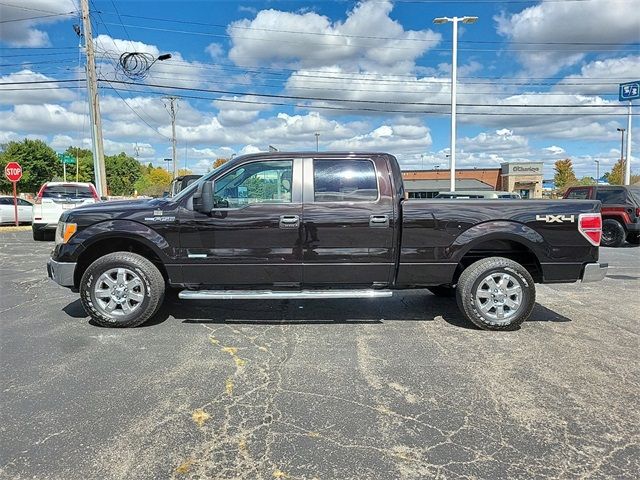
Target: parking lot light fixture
(454, 68)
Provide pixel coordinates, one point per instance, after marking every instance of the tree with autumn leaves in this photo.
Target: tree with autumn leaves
(564, 176)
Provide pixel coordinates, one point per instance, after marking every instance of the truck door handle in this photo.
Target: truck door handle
(289, 221)
(379, 221)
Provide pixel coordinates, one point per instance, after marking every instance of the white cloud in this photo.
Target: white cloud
(601, 76)
(36, 93)
(24, 33)
(580, 25)
(43, 119)
(274, 36)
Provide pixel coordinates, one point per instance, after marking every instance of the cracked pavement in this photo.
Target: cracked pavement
(342, 389)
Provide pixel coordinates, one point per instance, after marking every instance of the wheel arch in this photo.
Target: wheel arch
(117, 243)
(511, 240)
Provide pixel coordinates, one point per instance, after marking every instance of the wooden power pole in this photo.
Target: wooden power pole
(94, 104)
(172, 109)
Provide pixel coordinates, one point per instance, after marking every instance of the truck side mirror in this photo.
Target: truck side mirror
(203, 198)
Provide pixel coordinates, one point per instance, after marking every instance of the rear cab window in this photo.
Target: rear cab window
(67, 192)
(349, 180)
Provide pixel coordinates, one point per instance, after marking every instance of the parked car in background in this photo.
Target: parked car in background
(620, 211)
(7, 212)
(476, 194)
(55, 198)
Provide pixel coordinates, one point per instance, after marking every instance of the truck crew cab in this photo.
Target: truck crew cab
(317, 226)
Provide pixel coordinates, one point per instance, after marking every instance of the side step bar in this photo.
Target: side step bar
(280, 295)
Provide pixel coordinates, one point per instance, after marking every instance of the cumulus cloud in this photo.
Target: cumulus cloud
(308, 39)
(45, 119)
(583, 25)
(24, 33)
(34, 94)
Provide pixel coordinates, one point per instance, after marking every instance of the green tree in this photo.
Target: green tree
(616, 175)
(39, 163)
(565, 175)
(84, 158)
(153, 182)
(586, 181)
(122, 173)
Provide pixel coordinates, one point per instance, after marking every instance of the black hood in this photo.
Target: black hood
(116, 208)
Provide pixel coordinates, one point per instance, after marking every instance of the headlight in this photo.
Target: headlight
(65, 231)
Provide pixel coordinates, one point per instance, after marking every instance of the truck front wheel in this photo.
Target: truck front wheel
(121, 289)
(496, 293)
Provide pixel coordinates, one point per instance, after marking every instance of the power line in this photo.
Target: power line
(328, 45)
(340, 100)
(342, 35)
(36, 17)
(366, 109)
(134, 111)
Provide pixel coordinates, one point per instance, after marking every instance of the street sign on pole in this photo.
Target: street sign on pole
(13, 172)
(629, 91)
(65, 159)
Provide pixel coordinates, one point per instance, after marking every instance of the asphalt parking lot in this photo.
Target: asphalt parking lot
(392, 388)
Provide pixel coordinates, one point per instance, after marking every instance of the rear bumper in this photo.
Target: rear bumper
(44, 226)
(633, 227)
(594, 272)
(61, 272)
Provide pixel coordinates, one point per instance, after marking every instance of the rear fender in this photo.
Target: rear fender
(498, 230)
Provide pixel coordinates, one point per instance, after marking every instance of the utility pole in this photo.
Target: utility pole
(624, 166)
(172, 112)
(317, 142)
(94, 104)
(597, 172)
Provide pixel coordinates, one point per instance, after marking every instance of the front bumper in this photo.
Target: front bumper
(594, 272)
(61, 272)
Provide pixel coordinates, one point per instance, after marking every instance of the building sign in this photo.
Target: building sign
(522, 168)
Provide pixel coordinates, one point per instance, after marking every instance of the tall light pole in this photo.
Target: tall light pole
(454, 79)
(317, 142)
(597, 171)
(624, 167)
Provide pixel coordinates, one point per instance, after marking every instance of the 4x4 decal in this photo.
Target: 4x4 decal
(556, 218)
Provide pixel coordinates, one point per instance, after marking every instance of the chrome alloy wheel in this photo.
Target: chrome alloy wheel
(498, 297)
(118, 291)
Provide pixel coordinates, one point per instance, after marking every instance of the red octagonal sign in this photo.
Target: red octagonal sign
(13, 171)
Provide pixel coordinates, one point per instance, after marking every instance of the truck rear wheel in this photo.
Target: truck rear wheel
(613, 233)
(121, 289)
(496, 293)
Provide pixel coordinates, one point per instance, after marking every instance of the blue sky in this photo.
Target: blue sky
(537, 80)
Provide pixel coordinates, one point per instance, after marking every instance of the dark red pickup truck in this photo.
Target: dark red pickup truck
(321, 226)
(620, 211)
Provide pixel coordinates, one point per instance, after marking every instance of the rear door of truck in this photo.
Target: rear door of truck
(349, 220)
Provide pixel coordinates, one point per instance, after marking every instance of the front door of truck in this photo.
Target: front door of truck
(252, 237)
(348, 222)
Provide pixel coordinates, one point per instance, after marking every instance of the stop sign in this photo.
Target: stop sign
(13, 171)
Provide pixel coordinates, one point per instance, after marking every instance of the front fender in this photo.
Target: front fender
(115, 229)
(498, 230)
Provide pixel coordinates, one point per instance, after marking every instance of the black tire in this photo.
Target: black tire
(634, 238)
(613, 233)
(151, 292)
(38, 235)
(472, 281)
(443, 291)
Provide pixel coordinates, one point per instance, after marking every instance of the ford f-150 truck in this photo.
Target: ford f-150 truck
(321, 226)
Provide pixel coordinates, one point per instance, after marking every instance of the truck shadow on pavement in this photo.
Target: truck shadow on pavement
(414, 306)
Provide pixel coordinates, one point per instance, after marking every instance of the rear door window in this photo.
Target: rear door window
(351, 180)
(611, 196)
(67, 192)
(578, 194)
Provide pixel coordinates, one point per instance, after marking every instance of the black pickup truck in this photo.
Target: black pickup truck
(320, 226)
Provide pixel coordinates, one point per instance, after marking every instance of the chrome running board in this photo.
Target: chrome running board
(280, 294)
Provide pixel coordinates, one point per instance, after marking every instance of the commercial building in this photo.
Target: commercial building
(524, 178)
